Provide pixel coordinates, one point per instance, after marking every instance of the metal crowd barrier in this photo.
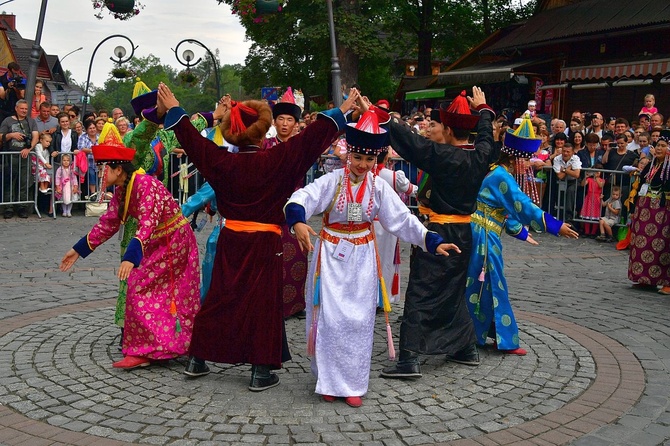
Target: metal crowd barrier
(562, 199)
(18, 180)
(87, 194)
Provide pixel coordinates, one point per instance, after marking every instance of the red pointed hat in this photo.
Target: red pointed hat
(287, 106)
(458, 114)
(110, 148)
(365, 136)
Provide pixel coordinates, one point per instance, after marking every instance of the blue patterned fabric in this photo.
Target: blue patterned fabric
(503, 206)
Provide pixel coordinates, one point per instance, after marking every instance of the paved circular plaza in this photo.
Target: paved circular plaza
(593, 374)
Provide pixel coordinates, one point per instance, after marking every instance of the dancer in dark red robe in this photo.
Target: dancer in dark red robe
(241, 320)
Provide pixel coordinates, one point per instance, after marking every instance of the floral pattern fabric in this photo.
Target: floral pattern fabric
(168, 273)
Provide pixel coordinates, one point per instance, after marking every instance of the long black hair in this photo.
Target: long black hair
(128, 168)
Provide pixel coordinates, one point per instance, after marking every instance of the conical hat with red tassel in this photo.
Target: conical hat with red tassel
(287, 106)
(458, 114)
(110, 148)
(365, 136)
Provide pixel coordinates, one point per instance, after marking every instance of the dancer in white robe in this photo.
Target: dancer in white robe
(348, 284)
(387, 243)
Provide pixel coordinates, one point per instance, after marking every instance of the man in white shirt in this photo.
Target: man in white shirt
(567, 167)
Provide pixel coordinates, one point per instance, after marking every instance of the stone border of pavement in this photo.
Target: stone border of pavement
(618, 385)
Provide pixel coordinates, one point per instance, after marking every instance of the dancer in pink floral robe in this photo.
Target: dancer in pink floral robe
(164, 286)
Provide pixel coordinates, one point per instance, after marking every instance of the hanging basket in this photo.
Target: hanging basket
(119, 9)
(120, 6)
(187, 77)
(121, 73)
(267, 7)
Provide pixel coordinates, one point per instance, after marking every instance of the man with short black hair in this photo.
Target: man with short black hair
(621, 125)
(45, 122)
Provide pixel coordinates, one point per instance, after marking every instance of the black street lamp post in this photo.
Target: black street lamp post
(188, 56)
(335, 62)
(119, 52)
(35, 53)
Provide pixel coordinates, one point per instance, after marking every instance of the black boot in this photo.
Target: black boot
(406, 367)
(467, 356)
(262, 378)
(196, 367)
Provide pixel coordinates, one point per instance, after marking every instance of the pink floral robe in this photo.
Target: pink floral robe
(169, 271)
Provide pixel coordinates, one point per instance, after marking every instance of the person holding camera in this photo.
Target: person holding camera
(12, 88)
(18, 133)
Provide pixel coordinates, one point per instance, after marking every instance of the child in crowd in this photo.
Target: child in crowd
(532, 109)
(67, 187)
(42, 151)
(613, 205)
(643, 141)
(649, 105)
(593, 182)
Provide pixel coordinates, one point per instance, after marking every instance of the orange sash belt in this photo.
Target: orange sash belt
(346, 227)
(364, 240)
(434, 217)
(252, 226)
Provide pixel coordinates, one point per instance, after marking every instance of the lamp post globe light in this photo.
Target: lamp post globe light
(120, 53)
(187, 57)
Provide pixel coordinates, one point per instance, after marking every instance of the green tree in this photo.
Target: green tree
(198, 97)
(292, 47)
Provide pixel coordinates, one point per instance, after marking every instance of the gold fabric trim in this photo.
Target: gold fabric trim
(170, 226)
(488, 224)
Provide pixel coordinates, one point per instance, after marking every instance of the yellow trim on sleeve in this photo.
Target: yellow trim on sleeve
(89, 243)
(129, 191)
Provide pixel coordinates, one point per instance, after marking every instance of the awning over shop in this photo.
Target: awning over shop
(476, 74)
(487, 73)
(432, 93)
(615, 71)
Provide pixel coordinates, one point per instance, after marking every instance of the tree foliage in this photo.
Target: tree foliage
(200, 96)
(292, 47)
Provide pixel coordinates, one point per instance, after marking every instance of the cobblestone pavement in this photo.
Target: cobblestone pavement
(596, 372)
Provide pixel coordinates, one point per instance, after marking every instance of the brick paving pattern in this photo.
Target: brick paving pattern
(596, 372)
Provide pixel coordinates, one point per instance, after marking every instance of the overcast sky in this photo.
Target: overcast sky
(159, 27)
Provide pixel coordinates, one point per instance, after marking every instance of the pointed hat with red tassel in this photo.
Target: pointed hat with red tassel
(458, 114)
(287, 106)
(365, 136)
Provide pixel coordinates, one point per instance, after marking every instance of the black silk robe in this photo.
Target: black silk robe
(436, 318)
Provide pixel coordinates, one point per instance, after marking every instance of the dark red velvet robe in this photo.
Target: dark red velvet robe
(241, 319)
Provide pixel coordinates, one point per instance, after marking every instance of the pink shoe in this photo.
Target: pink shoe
(517, 351)
(131, 362)
(328, 398)
(354, 401)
